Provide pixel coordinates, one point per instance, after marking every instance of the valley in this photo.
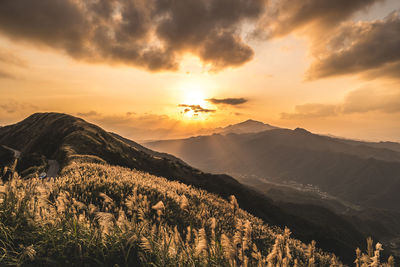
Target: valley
(356, 180)
(299, 192)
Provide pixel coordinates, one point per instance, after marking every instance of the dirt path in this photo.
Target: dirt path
(54, 167)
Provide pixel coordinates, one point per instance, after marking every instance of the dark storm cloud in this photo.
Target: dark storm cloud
(195, 108)
(228, 101)
(148, 33)
(285, 16)
(338, 45)
(225, 49)
(358, 47)
(57, 23)
(155, 34)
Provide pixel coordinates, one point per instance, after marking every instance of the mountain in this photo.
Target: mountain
(361, 174)
(68, 139)
(248, 126)
(358, 181)
(146, 150)
(383, 144)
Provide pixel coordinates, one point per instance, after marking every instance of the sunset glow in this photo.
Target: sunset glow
(200, 133)
(296, 77)
(194, 96)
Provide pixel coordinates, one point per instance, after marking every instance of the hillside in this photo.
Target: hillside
(146, 150)
(102, 215)
(359, 182)
(68, 139)
(383, 144)
(364, 175)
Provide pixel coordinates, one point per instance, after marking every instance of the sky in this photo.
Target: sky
(160, 69)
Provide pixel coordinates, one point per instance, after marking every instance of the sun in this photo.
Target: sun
(194, 97)
(194, 104)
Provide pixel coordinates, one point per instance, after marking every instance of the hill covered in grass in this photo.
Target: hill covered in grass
(69, 139)
(100, 215)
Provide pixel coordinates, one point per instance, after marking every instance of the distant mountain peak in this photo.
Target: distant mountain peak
(251, 121)
(247, 126)
(302, 130)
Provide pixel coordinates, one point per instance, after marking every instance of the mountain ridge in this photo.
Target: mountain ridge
(68, 139)
(354, 172)
(298, 155)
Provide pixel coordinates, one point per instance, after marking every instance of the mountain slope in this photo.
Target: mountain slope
(146, 150)
(69, 139)
(383, 144)
(364, 175)
(101, 215)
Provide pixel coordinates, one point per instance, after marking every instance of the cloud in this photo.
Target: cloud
(371, 48)
(228, 101)
(11, 106)
(339, 46)
(389, 70)
(196, 109)
(312, 110)
(152, 34)
(156, 34)
(7, 57)
(6, 75)
(224, 50)
(7, 60)
(286, 16)
(367, 99)
(363, 100)
(91, 113)
(141, 127)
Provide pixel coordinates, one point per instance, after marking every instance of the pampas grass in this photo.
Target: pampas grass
(100, 215)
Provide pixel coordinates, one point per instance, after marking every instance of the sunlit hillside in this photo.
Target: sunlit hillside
(100, 215)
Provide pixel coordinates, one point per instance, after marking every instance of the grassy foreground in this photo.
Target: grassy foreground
(100, 215)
